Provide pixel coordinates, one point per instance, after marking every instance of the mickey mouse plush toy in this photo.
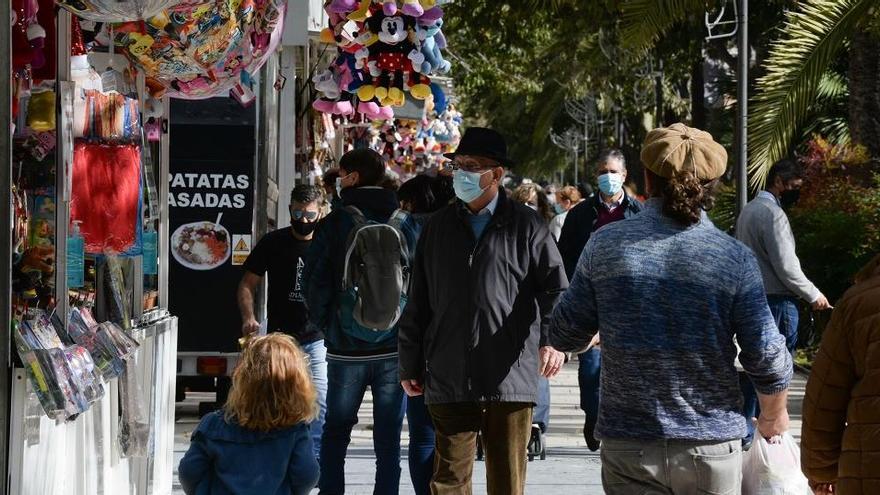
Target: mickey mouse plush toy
(391, 60)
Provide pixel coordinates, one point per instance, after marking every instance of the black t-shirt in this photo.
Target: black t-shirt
(283, 256)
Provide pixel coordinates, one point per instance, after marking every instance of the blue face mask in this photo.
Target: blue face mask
(467, 184)
(610, 184)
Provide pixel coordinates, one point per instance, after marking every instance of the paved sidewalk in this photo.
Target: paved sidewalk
(569, 468)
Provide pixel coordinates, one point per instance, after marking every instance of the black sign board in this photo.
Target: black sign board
(211, 205)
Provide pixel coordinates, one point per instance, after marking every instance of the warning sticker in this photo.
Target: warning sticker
(241, 248)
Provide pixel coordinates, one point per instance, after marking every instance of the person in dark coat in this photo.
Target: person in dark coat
(473, 337)
(611, 204)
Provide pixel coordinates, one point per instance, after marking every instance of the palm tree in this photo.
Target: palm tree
(797, 75)
(797, 80)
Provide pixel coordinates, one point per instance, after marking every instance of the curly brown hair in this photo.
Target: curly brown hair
(271, 386)
(684, 196)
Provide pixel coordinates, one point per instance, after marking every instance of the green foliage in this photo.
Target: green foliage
(723, 215)
(837, 222)
(645, 22)
(811, 38)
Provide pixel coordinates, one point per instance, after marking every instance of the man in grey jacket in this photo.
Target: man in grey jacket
(763, 226)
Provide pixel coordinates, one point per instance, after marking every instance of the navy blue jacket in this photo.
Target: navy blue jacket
(579, 224)
(325, 264)
(226, 459)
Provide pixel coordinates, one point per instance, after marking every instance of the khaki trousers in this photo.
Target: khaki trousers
(671, 467)
(505, 428)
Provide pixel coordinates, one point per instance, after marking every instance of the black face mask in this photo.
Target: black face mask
(302, 228)
(789, 197)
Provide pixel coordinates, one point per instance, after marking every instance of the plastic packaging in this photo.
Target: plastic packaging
(75, 257)
(105, 115)
(84, 331)
(774, 468)
(41, 111)
(151, 251)
(135, 433)
(106, 196)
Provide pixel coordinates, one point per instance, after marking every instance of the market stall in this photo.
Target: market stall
(93, 348)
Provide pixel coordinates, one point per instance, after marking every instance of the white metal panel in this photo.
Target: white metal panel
(82, 457)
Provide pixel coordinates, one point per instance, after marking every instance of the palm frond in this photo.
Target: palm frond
(830, 114)
(810, 39)
(645, 21)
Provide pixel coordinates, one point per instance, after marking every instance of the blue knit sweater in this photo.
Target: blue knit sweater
(668, 302)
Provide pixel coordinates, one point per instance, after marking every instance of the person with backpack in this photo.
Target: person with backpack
(356, 279)
(473, 338)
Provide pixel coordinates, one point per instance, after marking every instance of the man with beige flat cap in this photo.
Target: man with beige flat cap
(669, 414)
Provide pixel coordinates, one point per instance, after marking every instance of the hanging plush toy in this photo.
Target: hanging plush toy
(432, 40)
(390, 61)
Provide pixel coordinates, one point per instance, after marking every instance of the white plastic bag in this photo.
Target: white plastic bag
(774, 468)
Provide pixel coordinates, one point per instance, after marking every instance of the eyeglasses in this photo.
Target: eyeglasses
(300, 214)
(469, 165)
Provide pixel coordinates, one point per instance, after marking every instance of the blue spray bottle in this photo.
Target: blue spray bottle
(75, 257)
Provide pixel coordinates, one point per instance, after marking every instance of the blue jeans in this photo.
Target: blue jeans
(785, 311)
(317, 353)
(421, 444)
(541, 415)
(348, 382)
(589, 365)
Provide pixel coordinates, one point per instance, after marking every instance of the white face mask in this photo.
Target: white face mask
(339, 187)
(467, 185)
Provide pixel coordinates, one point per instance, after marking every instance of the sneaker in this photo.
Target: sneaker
(592, 442)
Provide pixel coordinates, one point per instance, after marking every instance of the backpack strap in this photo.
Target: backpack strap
(357, 215)
(398, 218)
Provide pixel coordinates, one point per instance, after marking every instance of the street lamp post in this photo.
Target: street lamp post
(742, 110)
(569, 141)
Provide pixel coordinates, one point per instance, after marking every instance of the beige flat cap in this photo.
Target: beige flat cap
(679, 148)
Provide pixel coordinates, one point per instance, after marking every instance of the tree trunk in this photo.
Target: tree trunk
(698, 96)
(864, 92)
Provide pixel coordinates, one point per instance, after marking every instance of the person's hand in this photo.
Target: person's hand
(413, 388)
(821, 304)
(822, 488)
(596, 341)
(775, 425)
(250, 326)
(551, 361)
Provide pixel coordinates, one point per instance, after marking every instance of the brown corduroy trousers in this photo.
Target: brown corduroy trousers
(505, 428)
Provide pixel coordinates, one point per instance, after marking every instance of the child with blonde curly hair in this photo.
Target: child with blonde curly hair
(259, 443)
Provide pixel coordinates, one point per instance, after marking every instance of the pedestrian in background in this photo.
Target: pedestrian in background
(840, 446)
(534, 197)
(670, 414)
(763, 226)
(473, 334)
(280, 255)
(612, 204)
(567, 198)
(259, 443)
(328, 181)
(419, 197)
(354, 362)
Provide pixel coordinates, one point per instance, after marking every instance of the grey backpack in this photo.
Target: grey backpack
(375, 279)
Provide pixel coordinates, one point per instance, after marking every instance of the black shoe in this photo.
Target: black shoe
(592, 443)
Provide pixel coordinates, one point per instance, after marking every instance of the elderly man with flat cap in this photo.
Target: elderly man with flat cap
(473, 336)
(669, 415)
